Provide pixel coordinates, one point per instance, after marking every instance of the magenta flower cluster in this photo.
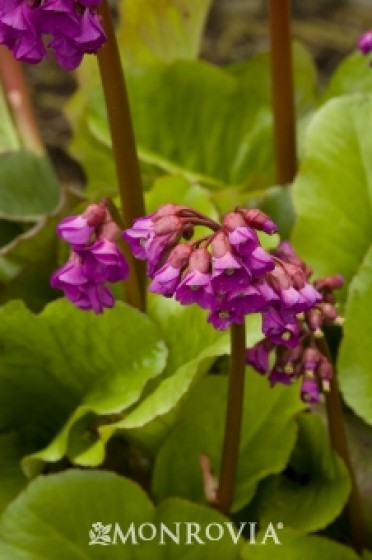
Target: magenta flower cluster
(73, 28)
(227, 272)
(95, 259)
(300, 356)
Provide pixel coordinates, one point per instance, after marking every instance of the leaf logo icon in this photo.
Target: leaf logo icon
(99, 534)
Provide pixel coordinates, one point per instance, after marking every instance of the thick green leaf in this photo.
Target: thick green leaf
(178, 190)
(28, 260)
(352, 76)
(314, 489)
(355, 359)
(360, 444)
(9, 140)
(28, 186)
(187, 118)
(192, 344)
(56, 518)
(12, 448)
(166, 30)
(295, 546)
(304, 70)
(8, 231)
(58, 367)
(332, 192)
(269, 418)
(211, 125)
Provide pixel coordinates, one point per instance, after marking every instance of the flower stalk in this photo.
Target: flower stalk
(18, 99)
(282, 90)
(337, 433)
(124, 149)
(233, 423)
(286, 164)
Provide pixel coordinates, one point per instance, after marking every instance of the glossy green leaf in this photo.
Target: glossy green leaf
(192, 345)
(9, 140)
(58, 367)
(355, 359)
(332, 192)
(359, 437)
(30, 257)
(166, 30)
(202, 134)
(57, 517)
(314, 489)
(212, 126)
(295, 546)
(269, 418)
(352, 76)
(178, 190)
(28, 186)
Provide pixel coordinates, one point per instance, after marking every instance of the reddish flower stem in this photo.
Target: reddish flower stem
(18, 99)
(337, 433)
(286, 163)
(282, 90)
(124, 150)
(233, 423)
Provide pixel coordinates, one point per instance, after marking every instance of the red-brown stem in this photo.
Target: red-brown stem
(286, 164)
(282, 90)
(233, 424)
(337, 433)
(124, 149)
(19, 101)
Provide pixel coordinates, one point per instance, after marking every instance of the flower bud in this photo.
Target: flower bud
(258, 220)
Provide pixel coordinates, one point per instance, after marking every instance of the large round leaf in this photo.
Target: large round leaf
(63, 366)
(73, 516)
(355, 359)
(153, 30)
(333, 190)
(314, 489)
(294, 546)
(268, 436)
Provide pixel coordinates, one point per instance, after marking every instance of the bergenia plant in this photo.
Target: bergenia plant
(204, 384)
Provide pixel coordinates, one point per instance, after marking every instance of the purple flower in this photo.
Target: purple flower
(152, 236)
(139, 235)
(365, 42)
(243, 238)
(278, 376)
(281, 328)
(258, 355)
(258, 220)
(259, 262)
(167, 278)
(310, 390)
(229, 273)
(94, 260)
(103, 262)
(93, 297)
(74, 27)
(69, 275)
(196, 285)
(247, 300)
(221, 317)
(75, 230)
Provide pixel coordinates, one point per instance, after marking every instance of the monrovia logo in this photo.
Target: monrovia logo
(180, 533)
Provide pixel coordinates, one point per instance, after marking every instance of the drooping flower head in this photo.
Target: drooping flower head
(292, 325)
(95, 259)
(73, 28)
(224, 272)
